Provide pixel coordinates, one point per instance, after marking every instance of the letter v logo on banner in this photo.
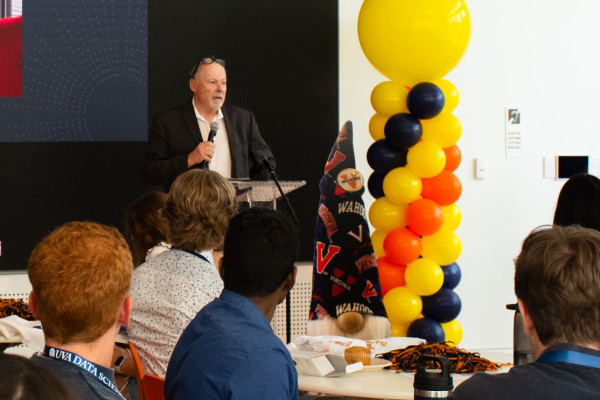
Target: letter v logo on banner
(331, 252)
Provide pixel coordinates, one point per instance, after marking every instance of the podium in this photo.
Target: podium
(265, 193)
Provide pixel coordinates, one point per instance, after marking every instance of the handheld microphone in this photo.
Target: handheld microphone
(214, 127)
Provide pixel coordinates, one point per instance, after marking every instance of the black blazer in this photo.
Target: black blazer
(174, 133)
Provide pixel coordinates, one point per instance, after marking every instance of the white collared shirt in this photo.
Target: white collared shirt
(221, 161)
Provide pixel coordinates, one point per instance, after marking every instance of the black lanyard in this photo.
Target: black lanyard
(195, 253)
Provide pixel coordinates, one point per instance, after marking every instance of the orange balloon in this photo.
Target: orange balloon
(401, 246)
(453, 158)
(390, 275)
(424, 217)
(444, 188)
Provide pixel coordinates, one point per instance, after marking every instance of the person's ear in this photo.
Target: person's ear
(287, 285)
(125, 312)
(33, 306)
(193, 85)
(290, 281)
(527, 321)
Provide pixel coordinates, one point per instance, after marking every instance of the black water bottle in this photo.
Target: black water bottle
(432, 383)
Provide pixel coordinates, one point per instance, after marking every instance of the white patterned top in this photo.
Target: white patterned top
(168, 290)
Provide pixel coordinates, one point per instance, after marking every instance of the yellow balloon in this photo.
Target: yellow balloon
(401, 186)
(426, 159)
(412, 41)
(402, 305)
(377, 125)
(443, 247)
(389, 98)
(451, 95)
(453, 331)
(452, 216)
(385, 215)
(377, 239)
(424, 277)
(444, 129)
(400, 329)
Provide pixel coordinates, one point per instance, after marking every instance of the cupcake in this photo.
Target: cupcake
(357, 353)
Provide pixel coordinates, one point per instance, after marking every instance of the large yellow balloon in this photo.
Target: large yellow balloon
(445, 129)
(453, 331)
(443, 247)
(424, 277)
(451, 95)
(402, 305)
(452, 216)
(385, 215)
(377, 126)
(412, 41)
(401, 186)
(377, 239)
(389, 98)
(426, 159)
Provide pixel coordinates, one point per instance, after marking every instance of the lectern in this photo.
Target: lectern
(265, 193)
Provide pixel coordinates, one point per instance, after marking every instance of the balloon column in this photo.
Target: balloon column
(414, 156)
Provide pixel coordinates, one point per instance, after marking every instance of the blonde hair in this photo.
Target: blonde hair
(80, 275)
(199, 207)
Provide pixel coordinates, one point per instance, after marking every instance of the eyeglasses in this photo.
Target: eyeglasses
(206, 60)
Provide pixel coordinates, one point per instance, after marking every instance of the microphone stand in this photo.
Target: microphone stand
(288, 300)
(285, 199)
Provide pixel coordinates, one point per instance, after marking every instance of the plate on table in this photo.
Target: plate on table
(376, 363)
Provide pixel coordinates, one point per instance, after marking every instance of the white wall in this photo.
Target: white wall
(540, 56)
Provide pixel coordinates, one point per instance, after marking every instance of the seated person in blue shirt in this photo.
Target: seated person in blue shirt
(80, 275)
(229, 350)
(557, 283)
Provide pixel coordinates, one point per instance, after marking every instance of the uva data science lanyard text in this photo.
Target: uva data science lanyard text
(82, 363)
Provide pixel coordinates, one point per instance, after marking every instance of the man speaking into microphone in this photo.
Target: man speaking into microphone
(179, 137)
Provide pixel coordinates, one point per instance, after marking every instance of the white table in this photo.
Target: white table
(382, 384)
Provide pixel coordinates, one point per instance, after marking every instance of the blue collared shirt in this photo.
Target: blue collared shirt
(229, 351)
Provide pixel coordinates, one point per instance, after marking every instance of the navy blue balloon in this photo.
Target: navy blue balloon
(375, 184)
(402, 130)
(443, 306)
(428, 329)
(425, 100)
(452, 276)
(383, 158)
